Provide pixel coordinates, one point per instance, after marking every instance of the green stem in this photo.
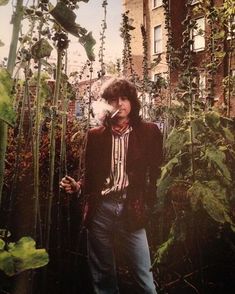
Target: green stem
(52, 144)
(63, 168)
(89, 104)
(3, 147)
(10, 67)
(229, 83)
(36, 147)
(191, 133)
(18, 14)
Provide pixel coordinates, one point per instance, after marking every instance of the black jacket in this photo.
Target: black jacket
(143, 167)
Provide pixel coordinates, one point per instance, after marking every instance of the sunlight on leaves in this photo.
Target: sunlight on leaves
(21, 256)
(7, 113)
(217, 157)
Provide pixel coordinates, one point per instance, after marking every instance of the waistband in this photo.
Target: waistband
(119, 196)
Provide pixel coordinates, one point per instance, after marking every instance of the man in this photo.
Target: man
(121, 168)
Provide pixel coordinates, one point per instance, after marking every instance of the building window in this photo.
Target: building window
(198, 35)
(231, 28)
(202, 86)
(200, 80)
(157, 46)
(157, 3)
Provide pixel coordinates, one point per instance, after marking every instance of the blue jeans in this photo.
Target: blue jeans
(106, 224)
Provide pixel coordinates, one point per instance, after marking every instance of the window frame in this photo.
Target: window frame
(200, 80)
(202, 85)
(198, 37)
(155, 3)
(231, 33)
(158, 41)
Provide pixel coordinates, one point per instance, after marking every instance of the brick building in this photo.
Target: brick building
(210, 42)
(150, 14)
(211, 47)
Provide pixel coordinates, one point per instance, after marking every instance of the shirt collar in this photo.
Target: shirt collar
(121, 131)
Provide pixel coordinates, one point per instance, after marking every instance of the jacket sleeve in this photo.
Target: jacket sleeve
(88, 163)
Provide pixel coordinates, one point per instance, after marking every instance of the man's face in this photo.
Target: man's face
(123, 104)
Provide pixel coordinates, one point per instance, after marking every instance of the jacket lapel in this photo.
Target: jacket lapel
(106, 149)
(134, 149)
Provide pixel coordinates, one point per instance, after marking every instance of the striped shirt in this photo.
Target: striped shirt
(118, 180)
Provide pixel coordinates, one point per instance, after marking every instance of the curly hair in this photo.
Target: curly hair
(121, 87)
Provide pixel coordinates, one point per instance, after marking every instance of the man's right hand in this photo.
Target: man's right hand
(69, 185)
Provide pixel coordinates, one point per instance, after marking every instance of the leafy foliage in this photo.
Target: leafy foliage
(7, 113)
(198, 175)
(21, 256)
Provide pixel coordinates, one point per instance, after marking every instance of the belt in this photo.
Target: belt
(118, 196)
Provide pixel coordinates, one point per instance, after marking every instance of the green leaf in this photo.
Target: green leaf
(7, 113)
(26, 256)
(219, 35)
(41, 49)
(163, 186)
(228, 134)
(2, 244)
(7, 263)
(163, 250)
(217, 157)
(176, 140)
(212, 119)
(194, 196)
(215, 208)
(176, 110)
(220, 54)
(196, 192)
(205, 194)
(167, 168)
(218, 190)
(88, 42)
(198, 126)
(176, 234)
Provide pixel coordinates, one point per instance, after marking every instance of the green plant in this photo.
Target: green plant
(7, 113)
(16, 257)
(197, 179)
(199, 173)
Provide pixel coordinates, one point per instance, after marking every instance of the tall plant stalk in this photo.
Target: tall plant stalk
(102, 71)
(10, 67)
(191, 131)
(63, 168)
(169, 59)
(89, 93)
(36, 153)
(52, 143)
(18, 14)
(3, 147)
(17, 153)
(145, 68)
